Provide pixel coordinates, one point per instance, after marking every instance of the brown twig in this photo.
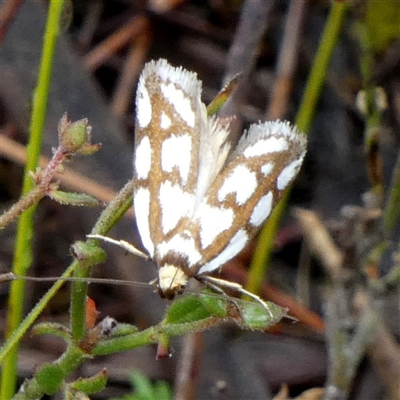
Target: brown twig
(184, 382)
(162, 6)
(320, 242)
(7, 13)
(90, 23)
(43, 186)
(74, 138)
(106, 49)
(370, 334)
(122, 98)
(243, 54)
(72, 180)
(287, 61)
(384, 353)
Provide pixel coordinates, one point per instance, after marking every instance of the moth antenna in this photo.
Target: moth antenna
(212, 283)
(10, 276)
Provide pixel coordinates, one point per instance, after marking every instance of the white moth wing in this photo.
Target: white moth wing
(194, 209)
(246, 190)
(169, 116)
(213, 153)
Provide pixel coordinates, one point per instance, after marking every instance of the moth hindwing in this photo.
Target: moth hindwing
(196, 206)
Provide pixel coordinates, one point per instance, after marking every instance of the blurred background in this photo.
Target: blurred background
(101, 52)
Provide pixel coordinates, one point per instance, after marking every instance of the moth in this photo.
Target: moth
(198, 202)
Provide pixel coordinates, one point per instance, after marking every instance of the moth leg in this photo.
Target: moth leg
(217, 283)
(212, 285)
(123, 244)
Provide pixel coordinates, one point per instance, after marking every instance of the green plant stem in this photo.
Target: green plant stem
(23, 244)
(304, 119)
(320, 67)
(185, 315)
(108, 218)
(391, 211)
(373, 127)
(23, 327)
(373, 113)
(117, 207)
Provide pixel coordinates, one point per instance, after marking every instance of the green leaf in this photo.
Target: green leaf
(123, 329)
(256, 317)
(216, 305)
(74, 199)
(94, 384)
(247, 314)
(146, 390)
(88, 253)
(223, 96)
(142, 385)
(70, 394)
(49, 328)
(163, 391)
(186, 309)
(50, 378)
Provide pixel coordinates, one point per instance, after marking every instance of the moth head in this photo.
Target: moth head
(171, 281)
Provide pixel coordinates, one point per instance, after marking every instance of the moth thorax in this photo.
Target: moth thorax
(171, 281)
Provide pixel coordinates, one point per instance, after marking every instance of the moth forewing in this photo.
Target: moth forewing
(169, 115)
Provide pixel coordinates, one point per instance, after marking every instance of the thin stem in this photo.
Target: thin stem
(23, 327)
(304, 118)
(391, 211)
(107, 220)
(320, 67)
(109, 216)
(23, 245)
(43, 182)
